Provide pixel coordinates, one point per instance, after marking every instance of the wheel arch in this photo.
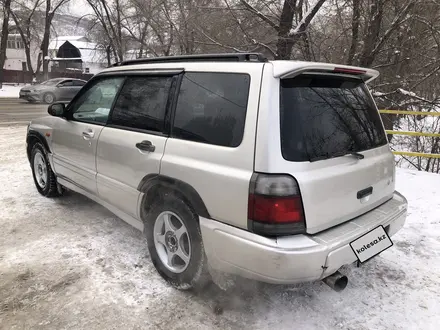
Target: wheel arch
(154, 185)
(33, 137)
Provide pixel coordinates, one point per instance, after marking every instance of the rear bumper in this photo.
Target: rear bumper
(298, 258)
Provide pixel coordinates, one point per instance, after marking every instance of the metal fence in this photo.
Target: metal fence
(413, 113)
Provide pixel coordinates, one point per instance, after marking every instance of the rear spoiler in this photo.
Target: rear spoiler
(289, 69)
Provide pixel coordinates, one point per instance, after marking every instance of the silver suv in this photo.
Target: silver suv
(279, 171)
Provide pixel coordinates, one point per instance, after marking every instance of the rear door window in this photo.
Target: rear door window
(78, 83)
(324, 117)
(211, 108)
(66, 83)
(142, 103)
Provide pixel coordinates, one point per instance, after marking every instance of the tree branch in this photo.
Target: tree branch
(307, 19)
(259, 14)
(396, 22)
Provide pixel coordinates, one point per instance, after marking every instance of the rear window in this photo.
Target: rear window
(212, 108)
(324, 117)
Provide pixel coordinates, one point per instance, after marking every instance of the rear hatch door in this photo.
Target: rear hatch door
(330, 126)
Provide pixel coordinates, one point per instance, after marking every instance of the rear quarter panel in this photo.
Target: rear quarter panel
(219, 174)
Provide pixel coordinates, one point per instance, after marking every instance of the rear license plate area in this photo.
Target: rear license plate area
(371, 244)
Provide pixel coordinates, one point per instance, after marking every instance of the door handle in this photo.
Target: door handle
(145, 146)
(87, 135)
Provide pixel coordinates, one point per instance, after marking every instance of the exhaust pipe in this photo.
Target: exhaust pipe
(336, 281)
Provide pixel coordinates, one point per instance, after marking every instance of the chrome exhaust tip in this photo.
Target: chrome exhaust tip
(336, 281)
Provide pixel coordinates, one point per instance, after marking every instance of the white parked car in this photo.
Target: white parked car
(279, 171)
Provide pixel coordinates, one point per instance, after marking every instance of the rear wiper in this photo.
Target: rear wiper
(357, 155)
(351, 153)
(337, 154)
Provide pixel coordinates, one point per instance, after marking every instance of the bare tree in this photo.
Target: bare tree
(290, 25)
(51, 8)
(111, 18)
(4, 36)
(23, 17)
(374, 39)
(355, 23)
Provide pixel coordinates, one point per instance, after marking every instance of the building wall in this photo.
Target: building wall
(15, 54)
(94, 68)
(14, 64)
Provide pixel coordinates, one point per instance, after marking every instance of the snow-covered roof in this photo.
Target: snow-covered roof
(78, 43)
(90, 52)
(71, 38)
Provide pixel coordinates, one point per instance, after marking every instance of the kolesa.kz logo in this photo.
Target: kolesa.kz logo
(379, 238)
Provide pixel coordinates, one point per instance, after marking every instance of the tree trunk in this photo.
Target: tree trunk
(286, 22)
(119, 30)
(108, 51)
(308, 50)
(4, 37)
(375, 22)
(355, 21)
(46, 36)
(27, 51)
(288, 37)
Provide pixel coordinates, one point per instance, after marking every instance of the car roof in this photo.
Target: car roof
(280, 68)
(67, 78)
(238, 62)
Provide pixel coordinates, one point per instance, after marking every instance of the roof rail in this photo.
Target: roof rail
(228, 57)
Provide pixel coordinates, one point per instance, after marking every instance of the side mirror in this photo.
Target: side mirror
(56, 109)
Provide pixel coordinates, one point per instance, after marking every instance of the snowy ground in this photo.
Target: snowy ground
(68, 263)
(10, 90)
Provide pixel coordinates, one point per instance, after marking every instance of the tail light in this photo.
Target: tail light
(275, 206)
(349, 71)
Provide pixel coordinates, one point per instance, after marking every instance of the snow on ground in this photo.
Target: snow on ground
(10, 91)
(68, 263)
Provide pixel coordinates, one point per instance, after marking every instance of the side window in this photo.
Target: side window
(66, 83)
(142, 102)
(78, 83)
(212, 108)
(94, 104)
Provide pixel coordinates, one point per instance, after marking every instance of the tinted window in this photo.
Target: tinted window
(142, 103)
(211, 108)
(324, 117)
(78, 83)
(66, 83)
(52, 82)
(94, 104)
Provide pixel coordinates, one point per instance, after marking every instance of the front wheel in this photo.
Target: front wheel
(175, 244)
(44, 178)
(48, 98)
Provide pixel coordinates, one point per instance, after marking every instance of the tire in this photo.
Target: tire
(49, 98)
(44, 178)
(195, 274)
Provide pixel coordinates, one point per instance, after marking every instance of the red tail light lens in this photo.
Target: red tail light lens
(275, 209)
(349, 71)
(275, 205)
